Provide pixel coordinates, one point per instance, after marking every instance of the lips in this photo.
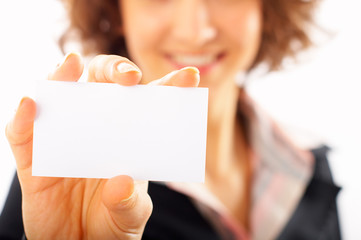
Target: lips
(194, 60)
(202, 61)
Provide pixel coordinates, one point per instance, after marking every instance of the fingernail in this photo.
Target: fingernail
(22, 102)
(192, 69)
(170, 75)
(131, 195)
(65, 59)
(19, 105)
(124, 67)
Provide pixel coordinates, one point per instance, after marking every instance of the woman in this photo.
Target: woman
(258, 185)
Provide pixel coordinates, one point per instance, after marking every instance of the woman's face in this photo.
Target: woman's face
(219, 37)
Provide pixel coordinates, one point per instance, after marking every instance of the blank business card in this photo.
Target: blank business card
(101, 130)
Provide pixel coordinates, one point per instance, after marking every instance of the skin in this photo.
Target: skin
(119, 208)
(228, 32)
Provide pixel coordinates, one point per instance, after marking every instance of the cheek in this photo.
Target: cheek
(245, 34)
(249, 29)
(241, 21)
(253, 26)
(143, 36)
(139, 29)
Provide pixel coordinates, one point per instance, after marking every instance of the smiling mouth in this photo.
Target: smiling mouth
(199, 60)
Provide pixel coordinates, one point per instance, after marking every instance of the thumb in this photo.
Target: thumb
(19, 133)
(128, 203)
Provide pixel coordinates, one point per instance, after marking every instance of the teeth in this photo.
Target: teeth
(194, 60)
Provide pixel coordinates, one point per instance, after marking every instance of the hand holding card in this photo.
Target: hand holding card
(84, 208)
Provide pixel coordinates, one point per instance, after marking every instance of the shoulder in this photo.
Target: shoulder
(11, 221)
(316, 215)
(175, 217)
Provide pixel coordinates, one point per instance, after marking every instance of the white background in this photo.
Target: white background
(319, 97)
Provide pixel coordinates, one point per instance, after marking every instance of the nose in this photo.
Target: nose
(192, 23)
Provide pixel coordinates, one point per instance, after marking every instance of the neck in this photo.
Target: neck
(228, 166)
(225, 137)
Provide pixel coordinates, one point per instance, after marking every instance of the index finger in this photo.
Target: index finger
(114, 69)
(185, 77)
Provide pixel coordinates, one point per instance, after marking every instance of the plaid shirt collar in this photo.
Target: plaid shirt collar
(281, 172)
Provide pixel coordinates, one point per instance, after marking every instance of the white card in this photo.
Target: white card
(101, 130)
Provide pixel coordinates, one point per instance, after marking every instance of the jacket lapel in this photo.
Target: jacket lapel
(316, 216)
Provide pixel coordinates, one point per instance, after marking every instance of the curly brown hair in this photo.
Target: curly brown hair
(285, 28)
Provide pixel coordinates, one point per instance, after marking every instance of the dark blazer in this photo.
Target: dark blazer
(175, 217)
